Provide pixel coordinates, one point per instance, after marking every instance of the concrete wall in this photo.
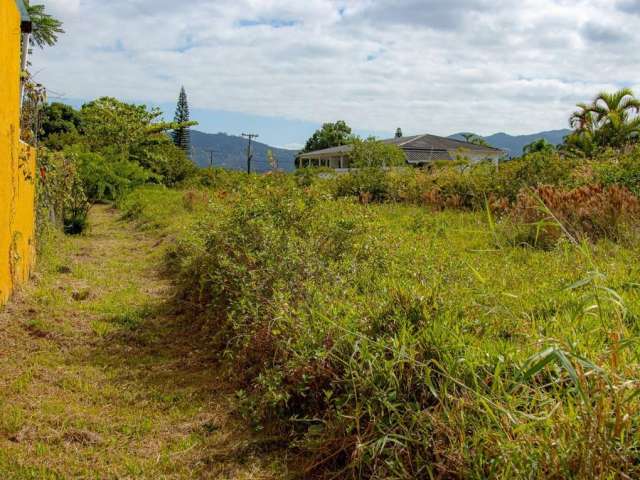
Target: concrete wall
(17, 163)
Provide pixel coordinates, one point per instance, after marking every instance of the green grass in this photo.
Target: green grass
(108, 384)
(376, 341)
(390, 341)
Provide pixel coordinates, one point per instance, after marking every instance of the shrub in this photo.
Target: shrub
(589, 212)
(458, 184)
(61, 199)
(393, 342)
(107, 179)
(619, 169)
(367, 184)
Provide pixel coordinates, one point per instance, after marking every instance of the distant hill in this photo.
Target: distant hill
(231, 152)
(513, 145)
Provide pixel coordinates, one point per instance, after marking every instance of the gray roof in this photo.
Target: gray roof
(426, 156)
(418, 148)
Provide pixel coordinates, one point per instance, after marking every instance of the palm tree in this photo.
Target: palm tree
(617, 117)
(45, 27)
(584, 119)
(611, 120)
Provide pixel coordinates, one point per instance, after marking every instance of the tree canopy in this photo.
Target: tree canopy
(372, 153)
(611, 120)
(541, 145)
(475, 139)
(60, 124)
(330, 135)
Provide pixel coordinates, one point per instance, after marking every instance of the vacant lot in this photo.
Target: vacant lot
(391, 341)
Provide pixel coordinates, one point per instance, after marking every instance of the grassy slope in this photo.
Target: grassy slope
(112, 385)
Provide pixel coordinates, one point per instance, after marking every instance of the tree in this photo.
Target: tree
(584, 119)
(475, 139)
(539, 146)
(45, 27)
(611, 120)
(60, 125)
(110, 124)
(181, 135)
(617, 117)
(330, 135)
(123, 131)
(372, 153)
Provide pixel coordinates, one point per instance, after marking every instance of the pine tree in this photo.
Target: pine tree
(181, 135)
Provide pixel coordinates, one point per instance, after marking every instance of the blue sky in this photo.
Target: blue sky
(283, 67)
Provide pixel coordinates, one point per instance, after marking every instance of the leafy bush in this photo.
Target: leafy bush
(216, 178)
(61, 199)
(107, 179)
(458, 184)
(368, 184)
(395, 342)
(619, 169)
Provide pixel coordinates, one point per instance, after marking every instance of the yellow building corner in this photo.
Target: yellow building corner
(17, 162)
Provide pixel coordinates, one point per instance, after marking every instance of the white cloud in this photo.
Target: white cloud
(63, 7)
(428, 66)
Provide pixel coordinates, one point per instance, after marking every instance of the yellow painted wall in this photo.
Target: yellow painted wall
(17, 163)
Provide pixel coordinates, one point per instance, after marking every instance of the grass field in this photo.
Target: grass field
(99, 378)
(198, 333)
(391, 341)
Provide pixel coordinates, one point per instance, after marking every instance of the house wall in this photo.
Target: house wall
(17, 163)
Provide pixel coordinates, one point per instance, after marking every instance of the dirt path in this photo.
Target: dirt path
(99, 380)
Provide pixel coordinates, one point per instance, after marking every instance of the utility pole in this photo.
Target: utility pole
(250, 136)
(211, 152)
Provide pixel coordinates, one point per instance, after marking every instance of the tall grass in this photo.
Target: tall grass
(391, 341)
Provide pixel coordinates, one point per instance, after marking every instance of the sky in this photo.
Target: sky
(283, 67)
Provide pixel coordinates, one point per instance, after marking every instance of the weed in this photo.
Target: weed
(390, 341)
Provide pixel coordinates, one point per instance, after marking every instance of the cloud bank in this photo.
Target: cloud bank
(425, 65)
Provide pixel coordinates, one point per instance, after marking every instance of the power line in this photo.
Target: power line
(250, 136)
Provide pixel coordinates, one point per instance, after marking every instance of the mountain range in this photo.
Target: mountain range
(513, 144)
(230, 151)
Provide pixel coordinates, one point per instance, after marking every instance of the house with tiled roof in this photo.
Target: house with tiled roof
(419, 150)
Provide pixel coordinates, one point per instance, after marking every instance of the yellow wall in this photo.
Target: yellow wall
(17, 163)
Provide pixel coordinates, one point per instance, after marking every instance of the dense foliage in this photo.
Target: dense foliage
(395, 341)
(330, 135)
(462, 321)
(612, 120)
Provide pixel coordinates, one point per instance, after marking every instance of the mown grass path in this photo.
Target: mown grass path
(99, 380)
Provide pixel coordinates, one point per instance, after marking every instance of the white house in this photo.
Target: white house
(420, 150)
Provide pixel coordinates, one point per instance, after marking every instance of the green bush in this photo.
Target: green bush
(61, 198)
(623, 170)
(107, 179)
(390, 341)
